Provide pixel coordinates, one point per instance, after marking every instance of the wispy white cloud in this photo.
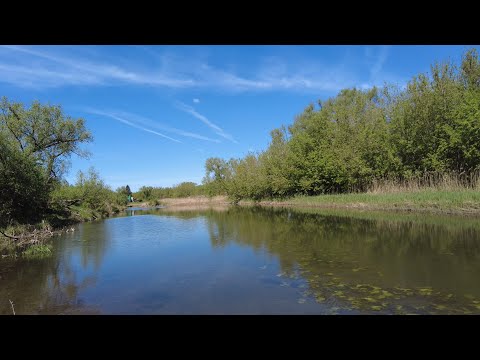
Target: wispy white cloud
(147, 124)
(376, 57)
(381, 58)
(41, 67)
(28, 77)
(219, 131)
(193, 135)
(127, 122)
(151, 123)
(366, 86)
(305, 75)
(56, 70)
(196, 101)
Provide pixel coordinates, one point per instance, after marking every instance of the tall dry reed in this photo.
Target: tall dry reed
(428, 181)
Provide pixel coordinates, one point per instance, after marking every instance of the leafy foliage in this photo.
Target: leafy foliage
(35, 146)
(184, 189)
(45, 134)
(23, 191)
(90, 197)
(362, 136)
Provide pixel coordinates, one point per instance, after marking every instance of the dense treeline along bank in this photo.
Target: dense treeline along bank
(35, 146)
(427, 134)
(381, 140)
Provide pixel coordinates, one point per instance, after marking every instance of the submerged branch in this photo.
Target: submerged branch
(33, 237)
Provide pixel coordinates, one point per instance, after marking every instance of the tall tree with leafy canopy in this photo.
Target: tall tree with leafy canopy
(35, 146)
(45, 134)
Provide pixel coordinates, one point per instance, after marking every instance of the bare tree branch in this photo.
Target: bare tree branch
(10, 236)
(13, 132)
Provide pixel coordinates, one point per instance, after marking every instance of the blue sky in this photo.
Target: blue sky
(158, 112)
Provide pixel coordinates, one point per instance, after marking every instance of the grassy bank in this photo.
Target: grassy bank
(427, 200)
(459, 201)
(195, 201)
(33, 240)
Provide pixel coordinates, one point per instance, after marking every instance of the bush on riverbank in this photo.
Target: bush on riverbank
(89, 198)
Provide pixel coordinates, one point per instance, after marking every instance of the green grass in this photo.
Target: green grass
(37, 251)
(7, 247)
(24, 246)
(83, 213)
(448, 201)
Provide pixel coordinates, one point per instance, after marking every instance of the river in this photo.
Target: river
(252, 260)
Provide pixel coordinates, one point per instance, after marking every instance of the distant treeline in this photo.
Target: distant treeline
(184, 189)
(346, 143)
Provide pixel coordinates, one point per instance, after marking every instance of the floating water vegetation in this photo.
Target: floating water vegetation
(375, 299)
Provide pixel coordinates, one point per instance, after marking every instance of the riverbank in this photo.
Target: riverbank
(195, 201)
(141, 204)
(31, 239)
(462, 202)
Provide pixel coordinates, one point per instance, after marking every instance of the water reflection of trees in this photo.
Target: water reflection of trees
(53, 284)
(332, 250)
(285, 232)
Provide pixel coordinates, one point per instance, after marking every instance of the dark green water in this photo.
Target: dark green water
(253, 261)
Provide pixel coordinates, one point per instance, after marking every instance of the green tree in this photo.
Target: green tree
(184, 189)
(89, 192)
(459, 139)
(146, 192)
(217, 175)
(460, 143)
(35, 146)
(23, 192)
(358, 136)
(45, 134)
(277, 166)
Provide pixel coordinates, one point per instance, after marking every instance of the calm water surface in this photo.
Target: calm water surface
(253, 261)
